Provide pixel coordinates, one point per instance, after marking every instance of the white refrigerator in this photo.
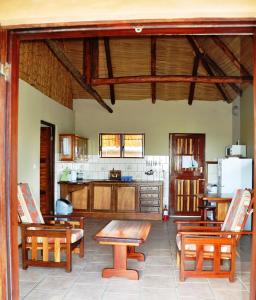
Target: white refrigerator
(235, 173)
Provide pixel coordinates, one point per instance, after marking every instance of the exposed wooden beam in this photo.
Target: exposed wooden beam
(206, 66)
(87, 61)
(170, 78)
(110, 70)
(231, 56)
(91, 59)
(61, 56)
(193, 84)
(153, 67)
(219, 71)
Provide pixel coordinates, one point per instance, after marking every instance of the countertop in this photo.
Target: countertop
(108, 181)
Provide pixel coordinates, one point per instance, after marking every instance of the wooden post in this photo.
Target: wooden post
(253, 255)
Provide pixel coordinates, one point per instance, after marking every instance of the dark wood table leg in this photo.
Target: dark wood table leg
(120, 265)
(131, 253)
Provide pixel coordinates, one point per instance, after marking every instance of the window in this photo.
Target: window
(121, 145)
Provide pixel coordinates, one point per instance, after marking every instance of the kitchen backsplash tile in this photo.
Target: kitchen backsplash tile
(98, 168)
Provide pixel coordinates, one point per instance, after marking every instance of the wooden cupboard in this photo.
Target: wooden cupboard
(73, 147)
(78, 194)
(102, 197)
(126, 198)
(115, 199)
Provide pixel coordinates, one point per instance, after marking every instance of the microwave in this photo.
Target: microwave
(236, 150)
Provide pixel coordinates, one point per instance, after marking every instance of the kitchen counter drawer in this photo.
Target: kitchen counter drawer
(150, 202)
(149, 189)
(149, 196)
(150, 209)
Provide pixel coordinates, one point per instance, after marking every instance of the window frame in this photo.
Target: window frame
(121, 144)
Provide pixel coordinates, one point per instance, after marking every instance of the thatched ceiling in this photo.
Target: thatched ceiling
(132, 56)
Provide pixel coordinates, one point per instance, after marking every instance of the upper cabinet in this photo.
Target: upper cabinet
(73, 147)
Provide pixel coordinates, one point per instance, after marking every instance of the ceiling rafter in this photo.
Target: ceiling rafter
(110, 69)
(61, 56)
(199, 52)
(153, 68)
(231, 56)
(193, 84)
(171, 78)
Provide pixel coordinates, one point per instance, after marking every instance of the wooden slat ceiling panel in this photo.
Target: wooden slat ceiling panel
(40, 68)
(131, 56)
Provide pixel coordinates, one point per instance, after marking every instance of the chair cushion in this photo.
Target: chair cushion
(76, 235)
(207, 248)
(237, 211)
(27, 209)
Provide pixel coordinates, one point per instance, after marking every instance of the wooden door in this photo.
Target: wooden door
(102, 197)
(187, 161)
(126, 198)
(46, 169)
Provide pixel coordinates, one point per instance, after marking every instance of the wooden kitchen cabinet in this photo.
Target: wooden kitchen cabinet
(102, 195)
(73, 147)
(77, 193)
(138, 200)
(126, 198)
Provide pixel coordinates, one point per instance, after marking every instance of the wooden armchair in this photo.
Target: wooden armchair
(43, 239)
(215, 242)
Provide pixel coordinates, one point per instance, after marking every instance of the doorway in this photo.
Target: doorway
(187, 174)
(47, 162)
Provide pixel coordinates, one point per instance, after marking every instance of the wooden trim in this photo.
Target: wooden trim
(253, 251)
(178, 22)
(4, 278)
(11, 151)
(129, 28)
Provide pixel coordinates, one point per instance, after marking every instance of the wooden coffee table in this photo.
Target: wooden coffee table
(123, 236)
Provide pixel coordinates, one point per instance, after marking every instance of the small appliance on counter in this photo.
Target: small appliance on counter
(80, 176)
(235, 150)
(73, 176)
(63, 207)
(115, 174)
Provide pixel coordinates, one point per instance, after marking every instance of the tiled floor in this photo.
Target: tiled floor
(158, 274)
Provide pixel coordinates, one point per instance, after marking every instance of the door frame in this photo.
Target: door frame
(9, 115)
(52, 162)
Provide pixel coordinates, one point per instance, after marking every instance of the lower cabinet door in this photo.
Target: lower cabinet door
(126, 198)
(102, 197)
(80, 199)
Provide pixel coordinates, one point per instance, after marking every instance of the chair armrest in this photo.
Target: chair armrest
(46, 226)
(199, 228)
(196, 222)
(215, 233)
(71, 218)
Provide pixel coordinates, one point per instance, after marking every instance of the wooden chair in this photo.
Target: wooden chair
(43, 239)
(202, 241)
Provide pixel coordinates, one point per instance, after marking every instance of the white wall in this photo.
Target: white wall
(34, 107)
(157, 121)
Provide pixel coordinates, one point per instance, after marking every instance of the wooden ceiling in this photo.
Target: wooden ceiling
(132, 57)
